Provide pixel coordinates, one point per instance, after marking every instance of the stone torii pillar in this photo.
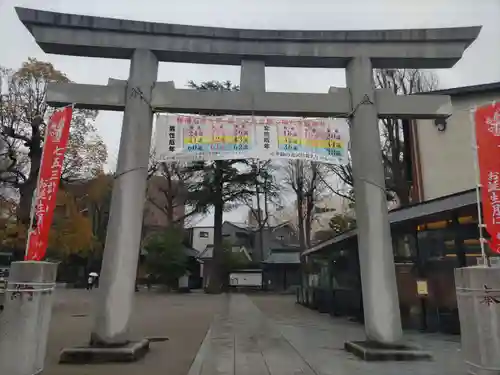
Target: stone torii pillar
(356, 51)
(123, 236)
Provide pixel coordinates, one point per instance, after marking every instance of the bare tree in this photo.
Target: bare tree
(392, 134)
(305, 178)
(266, 193)
(167, 190)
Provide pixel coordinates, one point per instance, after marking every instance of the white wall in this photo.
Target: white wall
(200, 243)
(447, 158)
(245, 279)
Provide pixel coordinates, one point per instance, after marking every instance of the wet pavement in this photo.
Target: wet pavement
(183, 318)
(267, 334)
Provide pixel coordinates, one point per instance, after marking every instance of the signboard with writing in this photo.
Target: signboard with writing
(487, 121)
(56, 140)
(422, 288)
(183, 138)
(203, 137)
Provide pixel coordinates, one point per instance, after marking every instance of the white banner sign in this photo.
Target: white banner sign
(191, 137)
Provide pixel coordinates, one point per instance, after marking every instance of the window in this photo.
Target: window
(203, 234)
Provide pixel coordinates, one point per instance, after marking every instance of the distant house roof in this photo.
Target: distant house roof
(280, 256)
(492, 87)
(239, 225)
(248, 270)
(250, 228)
(188, 251)
(208, 253)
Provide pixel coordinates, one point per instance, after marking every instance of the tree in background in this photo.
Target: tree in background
(217, 185)
(23, 118)
(341, 223)
(71, 231)
(165, 257)
(170, 180)
(394, 135)
(98, 206)
(266, 192)
(306, 180)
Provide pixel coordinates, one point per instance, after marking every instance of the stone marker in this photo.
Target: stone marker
(25, 321)
(478, 298)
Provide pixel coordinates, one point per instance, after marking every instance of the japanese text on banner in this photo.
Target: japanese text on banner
(184, 138)
(56, 140)
(487, 120)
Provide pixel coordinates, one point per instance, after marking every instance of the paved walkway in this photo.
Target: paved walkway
(183, 318)
(272, 335)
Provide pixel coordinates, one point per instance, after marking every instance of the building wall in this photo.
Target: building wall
(202, 237)
(447, 158)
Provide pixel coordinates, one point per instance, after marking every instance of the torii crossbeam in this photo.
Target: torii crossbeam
(146, 43)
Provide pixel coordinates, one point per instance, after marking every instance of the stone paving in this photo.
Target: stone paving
(273, 335)
(257, 335)
(183, 318)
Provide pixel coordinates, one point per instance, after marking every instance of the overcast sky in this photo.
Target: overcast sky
(481, 62)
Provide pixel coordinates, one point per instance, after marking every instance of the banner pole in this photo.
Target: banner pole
(475, 147)
(35, 195)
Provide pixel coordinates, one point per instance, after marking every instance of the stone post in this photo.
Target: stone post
(116, 289)
(25, 321)
(378, 276)
(253, 76)
(478, 299)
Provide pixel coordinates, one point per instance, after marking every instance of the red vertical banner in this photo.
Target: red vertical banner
(54, 147)
(487, 121)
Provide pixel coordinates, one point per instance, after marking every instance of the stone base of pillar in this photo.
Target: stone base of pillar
(478, 299)
(25, 319)
(372, 351)
(130, 352)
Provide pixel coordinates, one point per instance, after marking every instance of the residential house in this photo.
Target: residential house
(200, 237)
(246, 239)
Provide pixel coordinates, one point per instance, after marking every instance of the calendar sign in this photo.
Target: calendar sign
(191, 137)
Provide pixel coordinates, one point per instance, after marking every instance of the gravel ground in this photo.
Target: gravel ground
(183, 318)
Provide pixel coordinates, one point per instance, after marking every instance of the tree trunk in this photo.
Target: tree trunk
(260, 221)
(215, 283)
(27, 189)
(309, 219)
(300, 218)
(26, 192)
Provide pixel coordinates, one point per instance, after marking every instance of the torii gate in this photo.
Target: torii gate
(146, 43)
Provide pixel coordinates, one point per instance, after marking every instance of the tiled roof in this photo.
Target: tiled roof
(283, 257)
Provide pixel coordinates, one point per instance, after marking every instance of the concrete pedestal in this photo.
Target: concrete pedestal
(478, 297)
(25, 320)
